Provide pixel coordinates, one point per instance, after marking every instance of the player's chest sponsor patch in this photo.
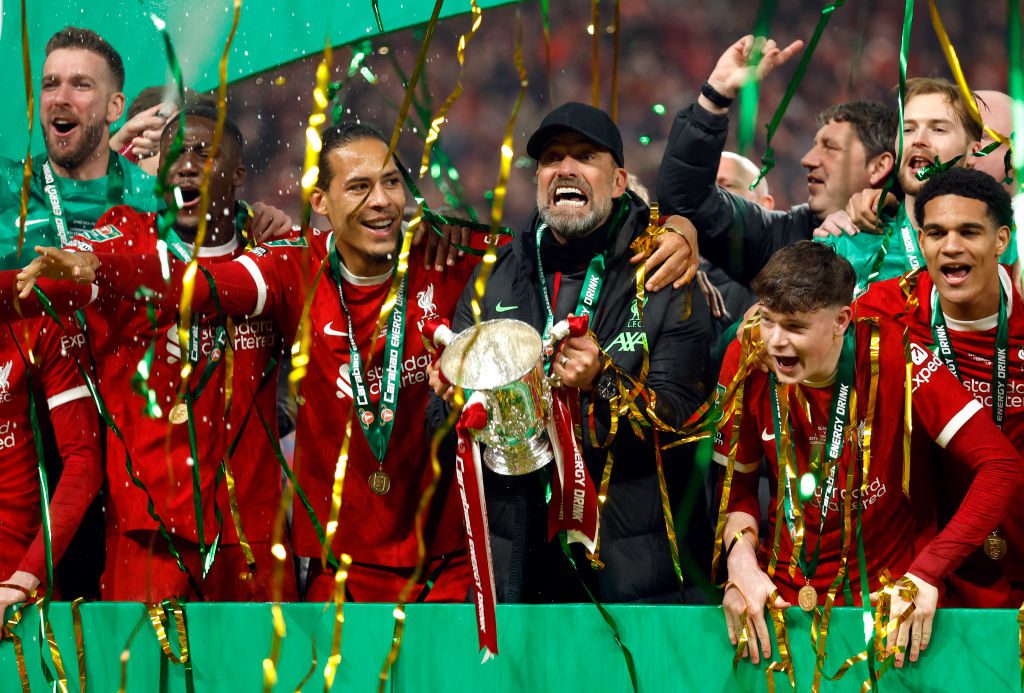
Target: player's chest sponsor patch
(102, 234)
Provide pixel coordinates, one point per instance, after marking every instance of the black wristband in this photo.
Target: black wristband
(712, 95)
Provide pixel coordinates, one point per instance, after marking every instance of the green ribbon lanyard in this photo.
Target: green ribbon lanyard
(376, 425)
(181, 251)
(901, 227)
(589, 293)
(1000, 358)
(834, 438)
(592, 282)
(51, 190)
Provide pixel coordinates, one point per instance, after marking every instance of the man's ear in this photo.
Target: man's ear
(880, 167)
(969, 158)
(843, 320)
(620, 181)
(1002, 239)
(115, 107)
(318, 200)
(239, 177)
(767, 201)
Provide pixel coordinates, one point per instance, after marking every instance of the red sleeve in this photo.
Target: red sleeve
(76, 426)
(958, 423)
(237, 290)
(743, 494)
(66, 298)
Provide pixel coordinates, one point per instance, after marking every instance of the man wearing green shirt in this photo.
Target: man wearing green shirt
(80, 177)
(937, 128)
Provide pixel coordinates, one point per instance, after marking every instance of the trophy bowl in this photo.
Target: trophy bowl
(501, 360)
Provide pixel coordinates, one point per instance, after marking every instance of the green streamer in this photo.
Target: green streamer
(749, 90)
(768, 160)
(1016, 87)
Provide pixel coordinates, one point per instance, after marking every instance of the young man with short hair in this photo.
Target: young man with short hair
(937, 129)
(830, 420)
(966, 309)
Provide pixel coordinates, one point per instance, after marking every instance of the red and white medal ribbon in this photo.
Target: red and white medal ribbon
(574, 506)
(469, 477)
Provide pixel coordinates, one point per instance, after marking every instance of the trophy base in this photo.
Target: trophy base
(517, 460)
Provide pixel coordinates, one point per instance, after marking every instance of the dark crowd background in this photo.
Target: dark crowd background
(668, 48)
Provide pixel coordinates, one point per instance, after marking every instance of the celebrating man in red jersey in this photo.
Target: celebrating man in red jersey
(171, 455)
(967, 310)
(831, 421)
(361, 193)
(38, 356)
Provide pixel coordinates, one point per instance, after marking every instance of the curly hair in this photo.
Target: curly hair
(967, 182)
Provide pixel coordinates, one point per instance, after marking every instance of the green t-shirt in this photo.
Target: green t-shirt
(82, 203)
(903, 253)
(862, 250)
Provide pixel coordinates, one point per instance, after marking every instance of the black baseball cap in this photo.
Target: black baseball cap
(592, 123)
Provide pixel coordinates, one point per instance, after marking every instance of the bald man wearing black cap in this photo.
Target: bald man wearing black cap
(573, 258)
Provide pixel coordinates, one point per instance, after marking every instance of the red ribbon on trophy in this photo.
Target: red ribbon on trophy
(469, 477)
(574, 506)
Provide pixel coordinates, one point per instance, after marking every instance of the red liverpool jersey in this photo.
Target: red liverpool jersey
(56, 376)
(120, 331)
(898, 534)
(271, 281)
(980, 582)
(371, 528)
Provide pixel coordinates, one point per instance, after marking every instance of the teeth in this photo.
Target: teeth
(569, 191)
(378, 225)
(570, 203)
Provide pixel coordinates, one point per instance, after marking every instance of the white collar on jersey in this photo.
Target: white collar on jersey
(986, 323)
(355, 279)
(218, 250)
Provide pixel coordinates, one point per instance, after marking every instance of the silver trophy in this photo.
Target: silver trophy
(501, 360)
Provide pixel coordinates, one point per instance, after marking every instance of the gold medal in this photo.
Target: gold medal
(380, 482)
(807, 597)
(179, 413)
(995, 546)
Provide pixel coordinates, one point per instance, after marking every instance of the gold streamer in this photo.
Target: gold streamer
(438, 121)
(280, 556)
(30, 107)
(666, 511)
(161, 624)
(616, 29)
(334, 660)
(51, 641)
(126, 652)
(602, 496)
(595, 63)
(76, 620)
(14, 620)
(734, 396)
(310, 173)
(958, 74)
(188, 280)
(400, 272)
(785, 663)
(229, 476)
(820, 624)
(312, 666)
(908, 285)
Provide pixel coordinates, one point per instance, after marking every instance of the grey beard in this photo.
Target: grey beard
(72, 159)
(573, 226)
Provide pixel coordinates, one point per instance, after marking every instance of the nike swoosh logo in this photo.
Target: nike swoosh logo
(767, 438)
(504, 309)
(29, 222)
(331, 331)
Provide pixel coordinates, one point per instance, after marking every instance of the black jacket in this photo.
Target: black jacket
(634, 546)
(736, 234)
